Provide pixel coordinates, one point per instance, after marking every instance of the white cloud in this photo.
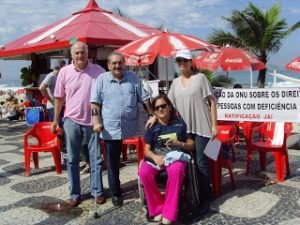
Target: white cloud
(21, 17)
(179, 15)
(294, 10)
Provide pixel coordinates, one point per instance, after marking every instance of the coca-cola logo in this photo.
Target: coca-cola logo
(235, 60)
(295, 65)
(134, 59)
(213, 55)
(208, 60)
(211, 58)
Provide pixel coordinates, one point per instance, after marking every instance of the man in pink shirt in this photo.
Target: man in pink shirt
(74, 85)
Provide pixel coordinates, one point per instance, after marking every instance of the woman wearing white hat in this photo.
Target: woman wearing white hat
(191, 94)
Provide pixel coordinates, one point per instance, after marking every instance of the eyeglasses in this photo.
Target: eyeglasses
(179, 60)
(163, 106)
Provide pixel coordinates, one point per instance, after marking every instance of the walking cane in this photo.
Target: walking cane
(97, 146)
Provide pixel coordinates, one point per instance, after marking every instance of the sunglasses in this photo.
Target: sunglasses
(179, 60)
(163, 106)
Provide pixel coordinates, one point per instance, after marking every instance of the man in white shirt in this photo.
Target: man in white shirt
(48, 85)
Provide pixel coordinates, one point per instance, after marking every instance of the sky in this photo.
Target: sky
(194, 17)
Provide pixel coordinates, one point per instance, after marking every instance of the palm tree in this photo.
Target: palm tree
(260, 32)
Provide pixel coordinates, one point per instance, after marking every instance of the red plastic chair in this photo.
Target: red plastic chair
(46, 142)
(138, 142)
(264, 143)
(139, 145)
(226, 134)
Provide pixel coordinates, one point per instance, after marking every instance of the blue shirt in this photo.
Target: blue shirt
(119, 104)
(157, 135)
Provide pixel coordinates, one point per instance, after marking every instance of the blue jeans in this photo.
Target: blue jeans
(74, 135)
(113, 153)
(203, 167)
(50, 114)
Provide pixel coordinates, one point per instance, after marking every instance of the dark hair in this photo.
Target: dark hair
(173, 113)
(237, 86)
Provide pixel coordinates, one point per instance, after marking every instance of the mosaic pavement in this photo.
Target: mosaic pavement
(42, 197)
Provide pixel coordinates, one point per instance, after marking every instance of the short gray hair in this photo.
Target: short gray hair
(115, 54)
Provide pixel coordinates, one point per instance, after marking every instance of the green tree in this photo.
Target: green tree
(216, 81)
(261, 32)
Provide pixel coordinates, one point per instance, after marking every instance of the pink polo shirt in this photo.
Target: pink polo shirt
(76, 86)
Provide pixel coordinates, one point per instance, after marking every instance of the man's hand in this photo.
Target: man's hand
(98, 128)
(54, 127)
(151, 121)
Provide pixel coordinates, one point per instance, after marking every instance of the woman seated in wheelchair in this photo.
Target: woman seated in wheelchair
(166, 145)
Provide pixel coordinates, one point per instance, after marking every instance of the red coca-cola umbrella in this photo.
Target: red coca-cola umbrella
(93, 25)
(143, 52)
(294, 65)
(229, 59)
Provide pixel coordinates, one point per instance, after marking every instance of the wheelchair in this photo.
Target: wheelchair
(189, 199)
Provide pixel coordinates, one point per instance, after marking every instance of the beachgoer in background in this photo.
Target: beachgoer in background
(1, 108)
(237, 86)
(47, 88)
(73, 85)
(158, 152)
(116, 117)
(12, 109)
(22, 109)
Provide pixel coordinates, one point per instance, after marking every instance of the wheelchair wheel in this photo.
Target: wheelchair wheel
(141, 192)
(190, 198)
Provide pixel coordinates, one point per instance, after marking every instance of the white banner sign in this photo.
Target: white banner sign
(272, 104)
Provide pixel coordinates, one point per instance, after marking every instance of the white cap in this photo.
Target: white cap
(184, 53)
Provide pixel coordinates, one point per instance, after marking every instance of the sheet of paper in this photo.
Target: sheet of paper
(212, 149)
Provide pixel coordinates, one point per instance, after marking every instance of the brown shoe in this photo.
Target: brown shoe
(100, 199)
(74, 202)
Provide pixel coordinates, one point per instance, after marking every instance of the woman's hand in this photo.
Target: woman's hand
(173, 143)
(214, 131)
(158, 159)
